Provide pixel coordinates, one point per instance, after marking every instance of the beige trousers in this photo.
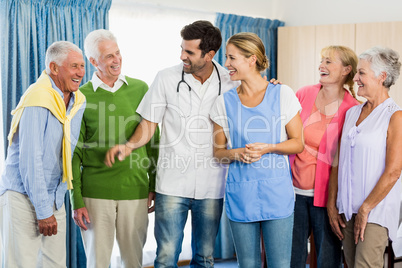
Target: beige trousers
(23, 245)
(367, 253)
(127, 219)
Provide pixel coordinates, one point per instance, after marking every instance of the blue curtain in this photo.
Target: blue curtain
(267, 30)
(27, 28)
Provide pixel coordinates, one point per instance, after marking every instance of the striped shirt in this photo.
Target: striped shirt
(34, 164)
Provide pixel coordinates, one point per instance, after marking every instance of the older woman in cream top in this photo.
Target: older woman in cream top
(368, 183)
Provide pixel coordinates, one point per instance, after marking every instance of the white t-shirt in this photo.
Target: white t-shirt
(289, 105)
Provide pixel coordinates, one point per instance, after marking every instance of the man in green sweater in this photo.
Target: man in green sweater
(111, 201)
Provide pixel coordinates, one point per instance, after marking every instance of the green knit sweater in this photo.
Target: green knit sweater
(110, 119)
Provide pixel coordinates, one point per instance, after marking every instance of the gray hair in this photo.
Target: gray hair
(383, 60)
(58, 52)
(91, 43)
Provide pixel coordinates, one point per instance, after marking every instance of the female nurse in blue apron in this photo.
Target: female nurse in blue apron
(256, 126)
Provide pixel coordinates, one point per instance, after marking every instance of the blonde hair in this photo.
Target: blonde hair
(348, 58)
(250, 44)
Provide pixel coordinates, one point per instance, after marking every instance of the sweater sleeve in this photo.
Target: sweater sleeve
(75, 193)
(152, 148)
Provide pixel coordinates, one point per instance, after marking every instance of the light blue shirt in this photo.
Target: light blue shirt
(34, 163)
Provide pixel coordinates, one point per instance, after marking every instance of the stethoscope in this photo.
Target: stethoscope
(189, 90)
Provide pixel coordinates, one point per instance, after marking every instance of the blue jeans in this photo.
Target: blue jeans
(328, 246)
(170, 218)
(277, 236)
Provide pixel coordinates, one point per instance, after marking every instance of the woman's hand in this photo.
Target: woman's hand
(254, 151)
(336, 221)
(390, 176)
(360, 225)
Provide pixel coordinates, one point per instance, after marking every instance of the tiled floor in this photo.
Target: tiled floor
(221, 264)
(233, 264)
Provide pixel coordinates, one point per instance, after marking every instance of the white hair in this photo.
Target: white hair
(383, 60)
(91, 43)
(58, 52)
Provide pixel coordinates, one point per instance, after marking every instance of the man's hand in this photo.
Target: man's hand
(48, 226)
(151, 202)
(274, 81)
(336, 221)
(80, 216)
(120, 150)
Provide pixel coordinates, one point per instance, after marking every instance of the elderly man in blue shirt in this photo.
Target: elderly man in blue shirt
(43, 135)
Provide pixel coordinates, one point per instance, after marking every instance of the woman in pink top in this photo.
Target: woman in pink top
(323, 112)
(367, 188)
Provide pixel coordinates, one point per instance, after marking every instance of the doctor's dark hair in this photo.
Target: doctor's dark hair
(210, 35)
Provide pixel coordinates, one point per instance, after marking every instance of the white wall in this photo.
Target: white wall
(321, 12)
(253, 8)
(153, 42)
(296, 12)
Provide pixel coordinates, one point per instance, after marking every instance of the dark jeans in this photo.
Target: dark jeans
(170, 218)
(309, 218)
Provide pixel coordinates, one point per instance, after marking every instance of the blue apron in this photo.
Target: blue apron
(262, 190)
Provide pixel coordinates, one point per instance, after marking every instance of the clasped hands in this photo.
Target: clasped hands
(253, 152)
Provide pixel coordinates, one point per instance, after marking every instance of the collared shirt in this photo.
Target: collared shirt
(186, 166)
(97, 82)
(34, 163)
(199, 87)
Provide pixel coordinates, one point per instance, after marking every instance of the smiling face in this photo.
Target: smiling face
(332, 70)
(366, 80)
(237, 63)
(109, 62)
(191, 55)
(69, 74)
